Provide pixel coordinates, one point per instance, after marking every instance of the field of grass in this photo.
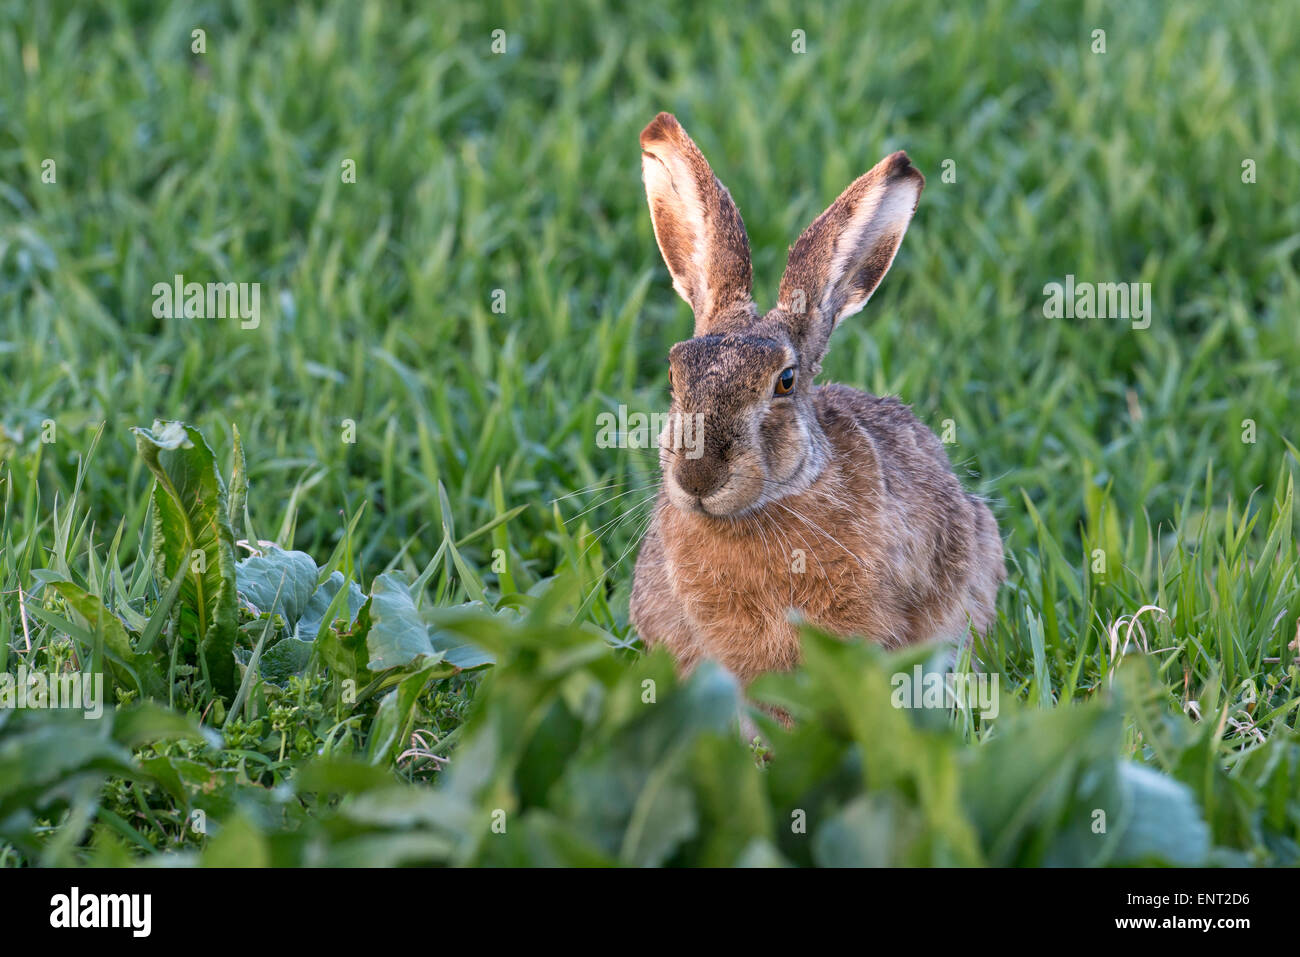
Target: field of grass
(416, 411)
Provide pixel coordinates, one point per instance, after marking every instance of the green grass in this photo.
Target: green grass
(520, 172)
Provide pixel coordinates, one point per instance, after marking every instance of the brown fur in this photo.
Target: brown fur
(835, 505)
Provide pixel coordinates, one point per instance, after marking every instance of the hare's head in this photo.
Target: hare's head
(743, 429)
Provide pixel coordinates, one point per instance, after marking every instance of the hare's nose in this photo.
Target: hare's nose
(701, 477)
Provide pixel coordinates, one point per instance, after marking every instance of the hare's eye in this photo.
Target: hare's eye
(785, 382)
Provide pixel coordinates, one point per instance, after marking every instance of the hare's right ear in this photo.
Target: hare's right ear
(839, 260)
(698, 227)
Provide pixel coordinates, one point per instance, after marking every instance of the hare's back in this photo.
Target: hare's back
(918, 504)
(906, 453)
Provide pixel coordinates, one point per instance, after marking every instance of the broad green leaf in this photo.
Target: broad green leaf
(52, 761)
(146, 723)
(733, 806)
(340, 776)
(291, 574)
(631, 794)
(1163, 824)
(239, 843)
(538, 838)
(285, 658)
(455, 650)
(47, 747)
(873, 830)
(1033, 789)
(397, 633)
(313, 615)
(344, 651)
(192, 538)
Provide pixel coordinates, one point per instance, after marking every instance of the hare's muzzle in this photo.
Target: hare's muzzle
(700, 477)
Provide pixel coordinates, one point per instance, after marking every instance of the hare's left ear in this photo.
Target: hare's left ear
(698, 227)
(838, 262)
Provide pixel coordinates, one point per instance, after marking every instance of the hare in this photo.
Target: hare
(795, 500)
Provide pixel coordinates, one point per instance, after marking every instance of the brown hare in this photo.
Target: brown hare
(795, 500)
